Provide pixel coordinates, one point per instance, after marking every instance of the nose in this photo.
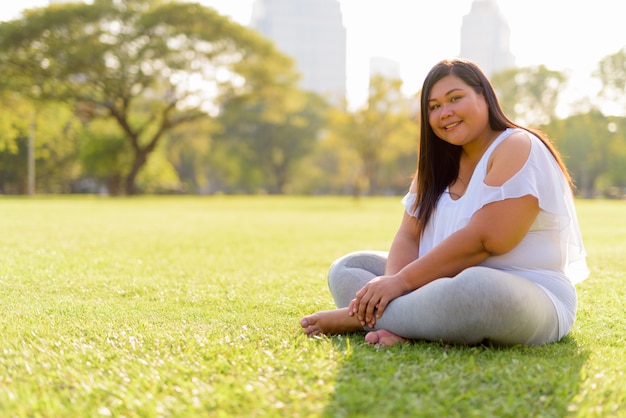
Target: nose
(446, 111)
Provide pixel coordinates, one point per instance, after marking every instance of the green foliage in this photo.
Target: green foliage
(159, 176)
(145, 65)
(190, 307)
(16, 116)
(188, 148)
(381, 135)
(529, 95)
(612, 74)
(105, 154)
(591, 150)
(617, 154)
(270, 131)
(147, 79)
(54, 130)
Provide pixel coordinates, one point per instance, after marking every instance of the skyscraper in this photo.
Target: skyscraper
(485, 37)
(311, 32)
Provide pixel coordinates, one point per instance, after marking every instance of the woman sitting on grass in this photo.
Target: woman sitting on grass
(489, 247)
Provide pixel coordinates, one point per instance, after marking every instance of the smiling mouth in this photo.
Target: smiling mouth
(451, 125)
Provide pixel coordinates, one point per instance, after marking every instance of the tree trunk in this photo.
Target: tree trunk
(114, 184)
(130, 183)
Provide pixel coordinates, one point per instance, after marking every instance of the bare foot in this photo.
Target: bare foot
(383, 337)
(330, 322)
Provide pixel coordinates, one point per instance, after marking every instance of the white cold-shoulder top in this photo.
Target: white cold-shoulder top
(551, 254)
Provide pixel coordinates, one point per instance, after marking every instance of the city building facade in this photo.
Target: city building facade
(313, 34)
(485, 37)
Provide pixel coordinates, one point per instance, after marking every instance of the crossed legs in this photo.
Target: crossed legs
(478, 304)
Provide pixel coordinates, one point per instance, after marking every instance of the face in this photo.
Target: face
(456, 113)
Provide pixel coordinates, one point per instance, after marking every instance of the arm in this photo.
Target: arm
(404, 247)
(489, 232)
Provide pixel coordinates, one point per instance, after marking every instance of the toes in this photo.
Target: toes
(310, 325)
(372, 338)
(308, 321)
(383, 338)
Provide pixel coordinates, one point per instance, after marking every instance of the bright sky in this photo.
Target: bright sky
(571, 36)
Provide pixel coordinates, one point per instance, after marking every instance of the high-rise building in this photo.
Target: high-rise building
(311, 32)
(485, 37)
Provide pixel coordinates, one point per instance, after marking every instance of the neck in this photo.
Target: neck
(475, 150)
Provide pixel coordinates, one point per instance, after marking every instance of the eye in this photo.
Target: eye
(455, 99)
(434, 107)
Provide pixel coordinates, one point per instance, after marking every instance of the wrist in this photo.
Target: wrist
(402, 279)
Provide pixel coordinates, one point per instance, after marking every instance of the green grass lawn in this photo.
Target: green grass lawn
(190, 306)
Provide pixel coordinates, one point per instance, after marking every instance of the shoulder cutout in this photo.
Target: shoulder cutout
(508, 158)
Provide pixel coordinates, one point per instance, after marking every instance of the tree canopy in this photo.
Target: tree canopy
(530, 95)
(380, 133)
(149, 66)
(169, 96)
(612, 74)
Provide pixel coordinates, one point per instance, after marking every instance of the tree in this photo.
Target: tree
(529, 95)
(615, 176)
(584, 140)
(380, 132)
(189, 151)
(55, 132)
(612, 74)
(271, 131)
(105, 153)
(150, 66)
(16, 119)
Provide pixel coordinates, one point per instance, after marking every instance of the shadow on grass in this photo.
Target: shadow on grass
(427, 379)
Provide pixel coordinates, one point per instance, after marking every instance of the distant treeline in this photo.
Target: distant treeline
(148, 97)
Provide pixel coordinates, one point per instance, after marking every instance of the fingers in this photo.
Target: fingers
(358, 305)
(364, 306)
(352, 307)
(380, 308)
(371, 301)
(370, 308)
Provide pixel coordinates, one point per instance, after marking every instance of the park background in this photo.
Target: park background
(187, 303)
(154, 100)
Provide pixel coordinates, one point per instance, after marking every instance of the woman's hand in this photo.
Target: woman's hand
(373, 298)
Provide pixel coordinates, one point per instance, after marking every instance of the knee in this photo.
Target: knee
(371, 261)
(337, 268)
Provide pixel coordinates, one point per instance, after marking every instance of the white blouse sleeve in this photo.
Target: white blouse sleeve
(408, 202)
(542, 178)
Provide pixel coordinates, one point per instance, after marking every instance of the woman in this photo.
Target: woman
(489, 247)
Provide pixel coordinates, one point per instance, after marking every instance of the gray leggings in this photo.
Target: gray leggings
(479, 304)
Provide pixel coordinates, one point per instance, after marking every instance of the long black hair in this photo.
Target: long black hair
(438, 160)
